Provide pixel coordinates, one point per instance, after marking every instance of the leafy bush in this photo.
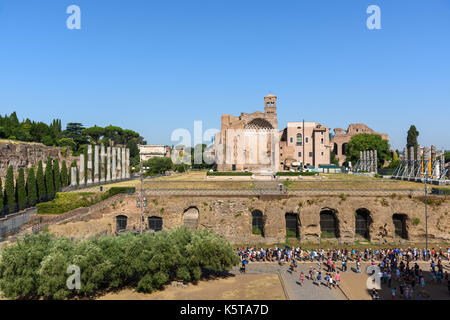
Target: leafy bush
(228, 173)
(67, 201)
(295, 174)
(36, 265)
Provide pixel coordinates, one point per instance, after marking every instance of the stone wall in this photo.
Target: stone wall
(24, 154)
(232, 217)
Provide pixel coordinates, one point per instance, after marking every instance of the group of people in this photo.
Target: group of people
(399, 268)
(286, 254)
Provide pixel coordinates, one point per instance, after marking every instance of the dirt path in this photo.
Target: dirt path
(239, 287)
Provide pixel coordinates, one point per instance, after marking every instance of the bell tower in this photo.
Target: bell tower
(270, 104)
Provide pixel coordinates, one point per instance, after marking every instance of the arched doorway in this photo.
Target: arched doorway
(121, 223)
(362, 223)
(155, 223)
(329, 223)
(257, 223)
(191, 218)
(344, 148)
(400, 225)
(292, 225)
(335, 149)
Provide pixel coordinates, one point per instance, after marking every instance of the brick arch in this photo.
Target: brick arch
(329, 223)
(258, 222)
(363, 222)
(190, 217)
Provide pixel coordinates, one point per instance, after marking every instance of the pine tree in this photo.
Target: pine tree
(64, 176)
(40, 182)
(1, 198)
(10, 193)
(31, 187)
(49, 184)
(21, 194)
(56, 175)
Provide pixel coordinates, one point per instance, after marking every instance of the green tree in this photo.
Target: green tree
(64, 176)
(159, 165)
(31, 187)
(94, 133)
(367, 141)
(40, 181)
(411, 139)
(10, 193)
(2, 207)
(21, 193)
(333, 159)
(56, 175)
(49, 183)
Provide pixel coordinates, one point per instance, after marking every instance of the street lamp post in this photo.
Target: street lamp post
(142, 201)
(426, 213)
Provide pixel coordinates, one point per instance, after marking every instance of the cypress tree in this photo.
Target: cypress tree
(56, 175)
(40, 181)
(49, 183)
(10, 193)
(1, 198)
(64, 177)
(21, 194)
(31, 188)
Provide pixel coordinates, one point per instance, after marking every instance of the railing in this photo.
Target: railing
(293, 192)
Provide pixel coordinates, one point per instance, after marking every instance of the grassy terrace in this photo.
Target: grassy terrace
(199, 180)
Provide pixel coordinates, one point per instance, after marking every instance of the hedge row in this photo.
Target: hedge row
(67, 201)
(36, 265)
(289, 173)
(229, 173)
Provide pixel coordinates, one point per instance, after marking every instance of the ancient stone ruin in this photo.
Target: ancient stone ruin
(112, 165)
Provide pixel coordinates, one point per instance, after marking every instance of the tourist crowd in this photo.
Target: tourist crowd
(398, 268)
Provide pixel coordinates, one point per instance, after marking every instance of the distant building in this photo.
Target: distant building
(342, 137)
(304, 143)
(152, 150)
(249, 141)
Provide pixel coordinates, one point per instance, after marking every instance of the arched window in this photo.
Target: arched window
(400, 226)
(299, 139)
(121, 223)
(292, 225)
(191, 218)
(362, 223)
(335, 148)
(328, 224)
(257, 223)
(155, 223)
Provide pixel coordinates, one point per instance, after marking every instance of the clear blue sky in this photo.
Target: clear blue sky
(155, 66)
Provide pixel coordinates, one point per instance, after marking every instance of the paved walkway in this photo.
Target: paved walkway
(309, 290)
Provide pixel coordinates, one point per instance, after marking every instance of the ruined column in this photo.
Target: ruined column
(442, 166)
(119, 164)
(89, 165)
(96, 164)
(124, 166)
(361, 161)
(127, 164)
(113, 164)
(108, 164)
(375, 161)
(73, 176)
(102, 163)
(372, 169)
(81, 171)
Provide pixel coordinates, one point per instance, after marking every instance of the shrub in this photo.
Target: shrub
(295, 174)
(416, 221)
(228, 173)
(36, 265)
